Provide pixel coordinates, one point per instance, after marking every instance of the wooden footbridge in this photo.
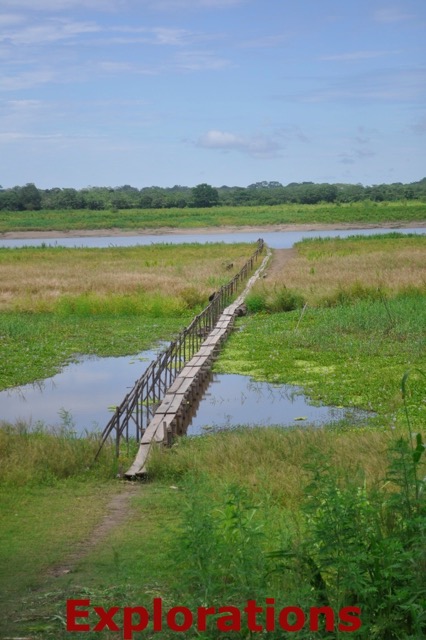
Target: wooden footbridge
(159, 405)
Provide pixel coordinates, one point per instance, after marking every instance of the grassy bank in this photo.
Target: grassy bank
(344, 320)
(57, 303)
(365, 212)
(306, 517)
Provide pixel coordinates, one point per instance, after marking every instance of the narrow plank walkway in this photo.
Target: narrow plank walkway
(168, 420)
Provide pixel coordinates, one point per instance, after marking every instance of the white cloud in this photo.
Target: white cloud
(352, 156)
(63, 5)
(14, 136)
(116, 5)
(392, 14)
(156, 36)
(419, 127)
(174, 37)
(358, 55)
(257, 145)
(388, 85)
(7, 19)
(193, 4)
(45, 33)
(265, 41)
(127, 67)
(27, 79)
(199, 61)
(364, 135)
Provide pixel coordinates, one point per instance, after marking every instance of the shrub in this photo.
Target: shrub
(256, 302)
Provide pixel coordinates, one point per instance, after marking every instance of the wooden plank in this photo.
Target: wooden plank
(174, 388)
(189, 372)
(171, 404)
(205, 350)
(152, 428)
(139, 462)
(155, 429)
(165, 405)
(181, 385)
(177, 403)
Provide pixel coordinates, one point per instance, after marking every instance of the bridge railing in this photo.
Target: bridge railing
(138, 407)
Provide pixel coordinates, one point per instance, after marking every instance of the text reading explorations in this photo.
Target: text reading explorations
(227, 618)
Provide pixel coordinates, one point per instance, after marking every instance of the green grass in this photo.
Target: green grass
(202, 533)
(348, 355)
(361, 329)
(36, 346)
(356, 213)
(51, 496)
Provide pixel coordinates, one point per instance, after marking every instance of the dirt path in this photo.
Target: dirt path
(117, 512)
(280, 259)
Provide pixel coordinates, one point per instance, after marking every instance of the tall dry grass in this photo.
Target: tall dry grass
(35, 279)
(321, 271)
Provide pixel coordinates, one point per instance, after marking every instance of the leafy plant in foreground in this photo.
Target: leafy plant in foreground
(366, 547)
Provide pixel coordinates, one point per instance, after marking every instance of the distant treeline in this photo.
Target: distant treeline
(29, 197)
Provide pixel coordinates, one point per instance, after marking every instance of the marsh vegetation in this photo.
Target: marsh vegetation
(56, 302)
(327, 517)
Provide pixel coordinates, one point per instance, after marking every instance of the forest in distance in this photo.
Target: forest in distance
(30, 198)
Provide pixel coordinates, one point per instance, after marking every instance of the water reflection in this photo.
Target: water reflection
(238, 400)
(86, 391)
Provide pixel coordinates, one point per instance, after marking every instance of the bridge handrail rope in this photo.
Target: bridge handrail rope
(140, 404)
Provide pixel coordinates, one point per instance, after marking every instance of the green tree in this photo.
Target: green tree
(30, 197)
(204, 195)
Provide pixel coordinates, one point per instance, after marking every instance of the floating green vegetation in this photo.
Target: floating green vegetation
(348, 355)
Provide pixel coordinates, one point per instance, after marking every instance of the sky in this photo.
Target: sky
(228, 92)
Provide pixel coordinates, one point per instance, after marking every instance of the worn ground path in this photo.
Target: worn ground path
(280, 259)
(117, 512)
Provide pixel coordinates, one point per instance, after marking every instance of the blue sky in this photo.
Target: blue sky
(165, 92)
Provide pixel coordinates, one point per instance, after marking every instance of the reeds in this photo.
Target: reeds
(132, 279)
(39, 455)
(332, 271)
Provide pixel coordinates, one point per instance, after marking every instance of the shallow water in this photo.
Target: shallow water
(275, 239)
(86, 390)
(233, 399)
(84, 393)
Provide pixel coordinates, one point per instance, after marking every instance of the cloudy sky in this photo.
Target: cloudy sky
(165, 92)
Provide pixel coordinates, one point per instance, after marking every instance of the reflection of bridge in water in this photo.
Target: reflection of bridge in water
(159, 405)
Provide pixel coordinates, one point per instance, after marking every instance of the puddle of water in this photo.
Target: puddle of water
(84, 389)
(232, 400)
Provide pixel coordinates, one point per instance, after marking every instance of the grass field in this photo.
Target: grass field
(56, 303)
(334, 270)
(365, 212)
(308, 517)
